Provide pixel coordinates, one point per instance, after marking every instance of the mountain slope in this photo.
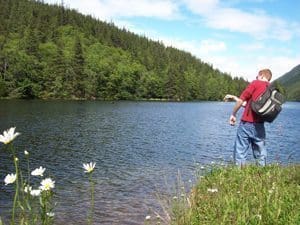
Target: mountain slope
(49, 51)
(291, 83)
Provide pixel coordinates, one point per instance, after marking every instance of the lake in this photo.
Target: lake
(139, 148)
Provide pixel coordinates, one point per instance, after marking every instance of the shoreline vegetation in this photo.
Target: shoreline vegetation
(99, 99)
(110, 100)
(252, 195)
(113, 101)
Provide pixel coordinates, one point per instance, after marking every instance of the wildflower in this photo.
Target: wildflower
(148, 217)
(27, 189)
(202, 167)
(50, 214)
(258, 216)
(16, 159)
(212, 190)
(10, 178)
(8, 135)
(26, 153)
(47, 184)
(89, 167)
(38, 172)
(175, 198)
(35, 193)
(273, 188)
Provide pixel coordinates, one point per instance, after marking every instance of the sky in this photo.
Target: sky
(238, 37)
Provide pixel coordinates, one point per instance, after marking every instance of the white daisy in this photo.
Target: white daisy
(8, 135)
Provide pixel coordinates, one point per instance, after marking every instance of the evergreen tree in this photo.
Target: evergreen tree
(78, 68)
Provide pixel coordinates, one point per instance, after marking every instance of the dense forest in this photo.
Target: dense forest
(52, 52)
(291, 83)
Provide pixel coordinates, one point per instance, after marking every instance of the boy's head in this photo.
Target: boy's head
(265, 73)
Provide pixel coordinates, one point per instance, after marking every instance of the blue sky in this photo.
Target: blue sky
(239, 37)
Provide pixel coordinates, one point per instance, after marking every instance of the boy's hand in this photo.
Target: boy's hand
(232, 120)
(229, 98)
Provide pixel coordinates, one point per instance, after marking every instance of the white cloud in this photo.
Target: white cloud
(279, 65)
(255, 23)
(248, 69)
(250, 47)
(207, 46)
(111, 10)
(236, 20)
(202, 7)
(242, 65)
(198, 48)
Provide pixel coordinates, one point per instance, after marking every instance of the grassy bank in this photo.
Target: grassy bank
(252, 195)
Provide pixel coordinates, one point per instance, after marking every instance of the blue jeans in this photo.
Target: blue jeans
(250, 135)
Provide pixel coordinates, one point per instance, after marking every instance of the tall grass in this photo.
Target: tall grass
(252, 195)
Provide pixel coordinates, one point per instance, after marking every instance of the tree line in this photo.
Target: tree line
(52, 52)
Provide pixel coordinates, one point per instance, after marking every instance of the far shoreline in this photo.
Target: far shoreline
(119, 100)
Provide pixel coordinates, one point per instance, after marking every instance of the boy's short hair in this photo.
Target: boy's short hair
(266, 73)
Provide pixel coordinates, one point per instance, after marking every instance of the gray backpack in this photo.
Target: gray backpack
(268, 105)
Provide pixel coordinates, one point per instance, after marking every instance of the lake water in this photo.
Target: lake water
(139, 148)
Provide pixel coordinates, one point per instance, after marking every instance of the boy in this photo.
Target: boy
(251, 130)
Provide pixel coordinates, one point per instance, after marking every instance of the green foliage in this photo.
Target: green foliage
(54, 52)
(290, 82)
(3, 89)
(280, 88)
(252, 195)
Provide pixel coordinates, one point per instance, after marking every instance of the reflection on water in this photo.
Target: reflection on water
(139, 148)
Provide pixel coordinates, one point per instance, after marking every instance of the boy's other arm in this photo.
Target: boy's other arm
(236, 108)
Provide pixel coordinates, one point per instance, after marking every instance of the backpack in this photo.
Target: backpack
(268, 105)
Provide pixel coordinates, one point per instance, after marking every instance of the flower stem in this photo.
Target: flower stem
(16, 187)
(43, 201)
(28, 171)
(92, 190)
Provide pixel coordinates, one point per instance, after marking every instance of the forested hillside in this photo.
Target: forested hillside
(50, 51)
(291, 83)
